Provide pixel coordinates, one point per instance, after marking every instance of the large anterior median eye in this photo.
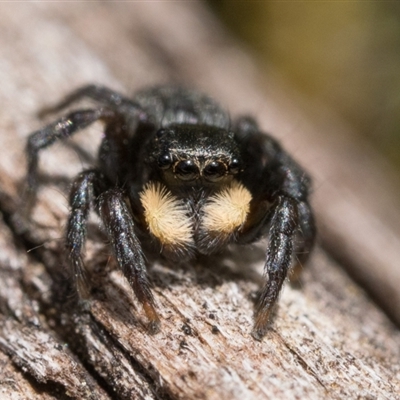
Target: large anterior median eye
(214, 171)
(186, 170)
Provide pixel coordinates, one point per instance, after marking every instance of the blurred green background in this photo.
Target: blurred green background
(344, 53)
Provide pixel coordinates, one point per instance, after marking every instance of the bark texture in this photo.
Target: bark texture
(329, 338)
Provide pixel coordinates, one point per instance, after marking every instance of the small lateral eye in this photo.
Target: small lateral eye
(186, 170)
(234, 166)
(164, 161)
(214, 171)
(161, 132)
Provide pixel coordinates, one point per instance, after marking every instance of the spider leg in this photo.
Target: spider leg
(305, 243)
(81, 197)
(100, 94)
(46, 136)
(275, 178)
(127, 249)
(284, 222)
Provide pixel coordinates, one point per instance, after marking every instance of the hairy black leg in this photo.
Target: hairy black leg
(284, 222)
(277, 174)
(45, 137)
(127, 249)
(279, 180)
(306, 240)
(101, 95)
(81, 197)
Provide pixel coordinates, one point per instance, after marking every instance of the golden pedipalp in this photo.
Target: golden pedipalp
(166, 216)
(227, 211)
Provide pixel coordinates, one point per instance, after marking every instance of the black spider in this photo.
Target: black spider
(172, 168)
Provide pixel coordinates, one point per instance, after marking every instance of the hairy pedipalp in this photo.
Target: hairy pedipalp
(166, 216)
(227, 211)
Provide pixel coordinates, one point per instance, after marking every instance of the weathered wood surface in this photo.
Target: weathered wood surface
(328, 339)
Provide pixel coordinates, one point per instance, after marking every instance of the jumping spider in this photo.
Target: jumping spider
(174, 171)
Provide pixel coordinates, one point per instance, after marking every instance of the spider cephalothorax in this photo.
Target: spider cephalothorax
(174, 171)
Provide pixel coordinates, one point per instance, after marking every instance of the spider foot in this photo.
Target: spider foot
(261, 324)
(295, 275)
(154, 321)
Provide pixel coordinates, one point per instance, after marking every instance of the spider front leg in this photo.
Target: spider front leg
(81, 198)
(283, 226)
(286, 185)
(127, 249)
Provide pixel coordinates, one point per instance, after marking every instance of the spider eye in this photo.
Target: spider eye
(161, 132)
(214, 171)
(234, 166)
(186, 170)
(164, 161)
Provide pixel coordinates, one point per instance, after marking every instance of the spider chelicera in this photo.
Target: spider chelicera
(174, 171)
